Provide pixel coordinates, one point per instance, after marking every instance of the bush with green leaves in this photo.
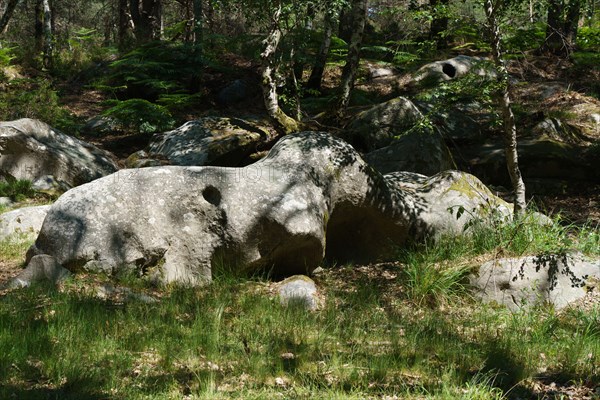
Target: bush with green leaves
(139, 115)
(152, 70)
(17, 190)
(35, 98)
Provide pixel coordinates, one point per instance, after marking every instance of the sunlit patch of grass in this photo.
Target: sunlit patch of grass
(407, 329)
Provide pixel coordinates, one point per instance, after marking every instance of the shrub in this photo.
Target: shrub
(35, 98)
(140, 115)
(152, 70)
(17, 190)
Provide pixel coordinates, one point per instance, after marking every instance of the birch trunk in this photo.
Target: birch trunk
(7, 15)
(48, 45)
(510, 127)
(359, 17)
(316, 75)
(269, 86)
(198, 50)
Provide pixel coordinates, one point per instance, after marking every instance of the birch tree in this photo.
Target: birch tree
(7, 14)
(269, 68)
(492, 12)
(359, 17)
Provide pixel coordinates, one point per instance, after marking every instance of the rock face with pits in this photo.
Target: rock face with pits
(452, 68)
(311, 197)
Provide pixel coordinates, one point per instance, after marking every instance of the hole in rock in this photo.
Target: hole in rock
(449, 70)
(212, 195)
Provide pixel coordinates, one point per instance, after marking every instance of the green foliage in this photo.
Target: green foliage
(140, 115)
(6, 55)
(81, 53)
(17, 190)
(179, 102)
(588, 38)
(523, 39)
(153, 70)
(35, 98)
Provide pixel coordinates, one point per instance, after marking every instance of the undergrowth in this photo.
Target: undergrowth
(378, 334)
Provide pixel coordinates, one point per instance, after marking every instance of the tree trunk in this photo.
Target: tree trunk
(198, 30)
(123, 28)
(439, 24)
(147, 19)
(561, 28)
(316, 75)
(359, 17)
(48, 40)
(510, 127)
(269, 86)
(7, 15)
(39, 28)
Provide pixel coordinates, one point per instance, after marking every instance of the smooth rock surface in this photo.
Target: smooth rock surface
(31, 149)
(423, 153)
(22, 223)
(378, 126)
(208, 141)
(40, 268)
(299, 290)
(528, 281)
(311, 197)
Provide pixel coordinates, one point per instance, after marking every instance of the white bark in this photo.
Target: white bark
(48, 45)
(269, 68)
(359, 17)
(510, 127)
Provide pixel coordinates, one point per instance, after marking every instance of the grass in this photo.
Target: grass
(407, 329)
(17, 190)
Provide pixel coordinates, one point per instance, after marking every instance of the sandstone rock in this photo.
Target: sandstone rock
(376, 127)
(31, 149)
(312, 196)
(423, 153)
(299, 290)
(101, 126)
(40, 268)
(539, 158)
(23, 223)
(525, 282)
(141, 159)
(48, 184)
(208, 141)
(453, 68)
(5, 202)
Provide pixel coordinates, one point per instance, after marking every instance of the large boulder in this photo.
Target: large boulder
(31, 149)
(22, 223)
(311, 196)
(540, 160)
(424, 153)
(440, 71)
(378, 126)
(527, 281)
(209, 141)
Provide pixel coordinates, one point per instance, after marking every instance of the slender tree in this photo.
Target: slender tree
(439, 23)
(492, 11)
(124, 24)
(198, 10)
(562, 24)
(316, 74)
(359, 17)
(7, 15)
(270, 65)
(43, 32)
